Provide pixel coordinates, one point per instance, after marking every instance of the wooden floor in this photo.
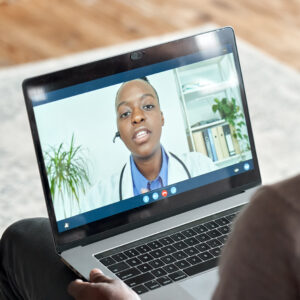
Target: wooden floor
(32, 30)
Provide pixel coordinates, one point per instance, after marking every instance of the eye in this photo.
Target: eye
(124, 115)
(148, 107)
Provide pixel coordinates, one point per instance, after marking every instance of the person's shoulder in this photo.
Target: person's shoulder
(285, 193)
(289, 191)
(273, 208)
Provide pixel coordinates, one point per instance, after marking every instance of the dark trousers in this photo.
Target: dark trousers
(29, 266)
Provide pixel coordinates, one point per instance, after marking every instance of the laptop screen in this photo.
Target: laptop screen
(137, 137)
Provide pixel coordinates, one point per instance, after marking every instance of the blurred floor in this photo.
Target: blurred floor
(33, 30)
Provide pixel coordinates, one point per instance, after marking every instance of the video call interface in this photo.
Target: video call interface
(128, 143)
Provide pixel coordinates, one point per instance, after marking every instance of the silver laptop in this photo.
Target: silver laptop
(145, 160)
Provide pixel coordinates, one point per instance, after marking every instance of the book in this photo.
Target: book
(228, 140)
(212, 145)
(217, 143)
(199, 142)
(222, 142)
(235, 142)
(207, 144)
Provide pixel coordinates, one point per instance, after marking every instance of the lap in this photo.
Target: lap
(29, 263)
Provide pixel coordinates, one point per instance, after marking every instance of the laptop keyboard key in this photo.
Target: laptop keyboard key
(224, 229)
(202, 237)
(223, 239)
(128, 273)
(155, 245)
(200, 229)
(119, 257)
(189, 233)
(182, 264)
(159, 272)
(164, 280)
(191, 241)
(107, 261)
(214, 243)
(168, 249)
(202, 247)
(191, 251)
(177, 275)
(168, 259)
(139, 279)
(222, 221)
(180, 255)
(178, 237)
(180, 245)
(131, 253)
(133, 262)
(157, 263)
(166, 241)
(170, 268)
(194, 260)
(157, 253)
(140, 289)
(152, 285)
(203, 266)
(118, 267)
(205, 256)
(144, 268)
(143, 249)
(215, 252)
(211, 225)
(145, 257)
(214, 233)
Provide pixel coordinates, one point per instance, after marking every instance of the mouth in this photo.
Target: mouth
(141, 135)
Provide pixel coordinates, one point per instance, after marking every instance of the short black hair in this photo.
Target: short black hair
(144, 78)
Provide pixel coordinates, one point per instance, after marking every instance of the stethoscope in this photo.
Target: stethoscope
(122, 171)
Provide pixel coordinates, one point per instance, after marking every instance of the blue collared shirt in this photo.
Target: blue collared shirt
(140, 182)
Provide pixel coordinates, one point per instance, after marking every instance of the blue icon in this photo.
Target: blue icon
(155, 196)
(146, 199)
(173, 190)
(246, 166)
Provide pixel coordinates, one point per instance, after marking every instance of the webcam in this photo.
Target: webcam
(136, 55)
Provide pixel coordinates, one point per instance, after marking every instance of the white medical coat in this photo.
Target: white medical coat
(106, 191)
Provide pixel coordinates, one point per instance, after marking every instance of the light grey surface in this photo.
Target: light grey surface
(273, 98)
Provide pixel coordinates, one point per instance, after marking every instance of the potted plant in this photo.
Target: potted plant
(231, 113)
(68, 173)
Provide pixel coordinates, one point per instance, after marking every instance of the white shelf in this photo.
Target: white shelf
(232, 160)
(208, 125)
(210, 89)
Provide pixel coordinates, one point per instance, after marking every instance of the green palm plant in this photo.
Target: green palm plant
(67, 171)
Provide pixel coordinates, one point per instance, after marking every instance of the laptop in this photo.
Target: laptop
(145, 159)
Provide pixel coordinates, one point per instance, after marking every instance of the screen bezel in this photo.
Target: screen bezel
(158, 210)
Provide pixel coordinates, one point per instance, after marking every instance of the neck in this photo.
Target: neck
(151, 166)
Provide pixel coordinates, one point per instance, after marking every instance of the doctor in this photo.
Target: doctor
(150, 166)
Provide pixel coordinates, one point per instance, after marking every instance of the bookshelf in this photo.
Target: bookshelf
(198, 85)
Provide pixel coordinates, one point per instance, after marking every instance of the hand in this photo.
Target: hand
(101, 287)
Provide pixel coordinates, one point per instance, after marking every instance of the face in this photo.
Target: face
(139, 118)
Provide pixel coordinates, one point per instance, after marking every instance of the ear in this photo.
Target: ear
(162, 119)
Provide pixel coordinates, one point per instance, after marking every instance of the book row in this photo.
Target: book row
(218, 142)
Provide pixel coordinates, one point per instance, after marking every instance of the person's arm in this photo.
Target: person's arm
(101, 287)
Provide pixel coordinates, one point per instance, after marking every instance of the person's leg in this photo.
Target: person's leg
(29, 266)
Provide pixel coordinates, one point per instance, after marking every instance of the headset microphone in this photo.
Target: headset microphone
(116, 135)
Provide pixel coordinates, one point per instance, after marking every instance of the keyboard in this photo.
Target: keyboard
(171, 255)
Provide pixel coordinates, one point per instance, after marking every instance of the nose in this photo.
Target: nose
(137, 116)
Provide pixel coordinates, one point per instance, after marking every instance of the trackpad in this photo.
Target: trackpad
(202, 286)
